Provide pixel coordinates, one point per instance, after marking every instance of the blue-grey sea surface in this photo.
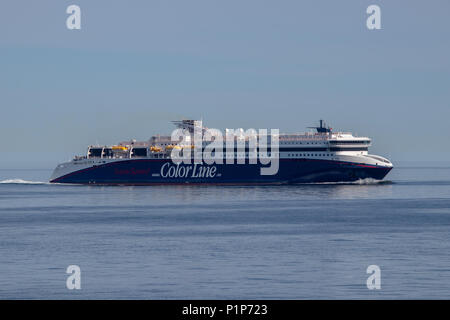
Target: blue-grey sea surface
(312, 241)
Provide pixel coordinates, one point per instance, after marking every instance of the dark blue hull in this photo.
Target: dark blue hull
(163, 171)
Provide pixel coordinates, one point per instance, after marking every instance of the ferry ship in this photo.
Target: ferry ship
(321, 155)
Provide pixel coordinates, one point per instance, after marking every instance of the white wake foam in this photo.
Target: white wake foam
(371, 181)
(21, 181)
(367, 181)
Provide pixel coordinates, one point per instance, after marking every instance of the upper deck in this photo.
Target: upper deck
(161, 146)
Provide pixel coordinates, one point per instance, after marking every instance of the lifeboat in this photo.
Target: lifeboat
(170, 147)
(155, 149)
(119, 148)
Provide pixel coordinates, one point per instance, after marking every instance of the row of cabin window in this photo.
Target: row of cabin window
(309, 155)
(167, 144)
(282, 142)
(295, 154)
(240, 154)
(161, 155)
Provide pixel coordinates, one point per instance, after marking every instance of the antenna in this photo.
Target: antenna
(322, 128)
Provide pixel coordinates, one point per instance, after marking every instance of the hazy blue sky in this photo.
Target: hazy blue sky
(136, 65)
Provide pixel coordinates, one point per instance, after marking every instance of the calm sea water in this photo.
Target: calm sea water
(208, 242)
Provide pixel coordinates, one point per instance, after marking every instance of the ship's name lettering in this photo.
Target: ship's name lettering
(169, 170)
